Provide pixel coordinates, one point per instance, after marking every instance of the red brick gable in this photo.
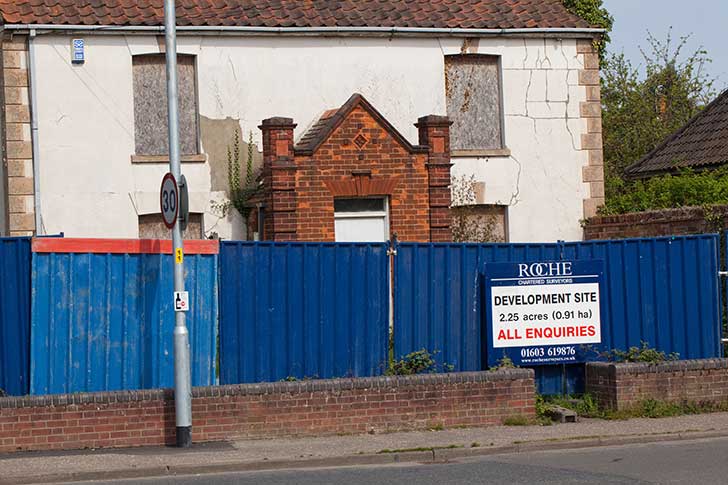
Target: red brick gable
(339, 160)
(355, 152)
(332, 119)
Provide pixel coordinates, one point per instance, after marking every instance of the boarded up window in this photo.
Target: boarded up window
(472, 85)
(150, 105)
(151, 226)
(479, 223)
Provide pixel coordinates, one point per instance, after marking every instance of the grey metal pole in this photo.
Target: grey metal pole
(182, 380)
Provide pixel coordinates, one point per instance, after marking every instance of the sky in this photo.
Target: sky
(706, 20)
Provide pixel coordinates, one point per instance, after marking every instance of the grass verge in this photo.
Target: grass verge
(587, 406)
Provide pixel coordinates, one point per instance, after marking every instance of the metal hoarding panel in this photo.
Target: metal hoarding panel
(437, 303)
(103, 322)
(15, 315)
(302, 310)
(664, 291)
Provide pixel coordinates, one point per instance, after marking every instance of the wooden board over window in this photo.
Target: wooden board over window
(473, 91)
(150, 105)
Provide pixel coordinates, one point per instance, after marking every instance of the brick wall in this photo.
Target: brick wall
(282, 409)
(620, 386)
(16, 136)
(666, 222)
(279, 179)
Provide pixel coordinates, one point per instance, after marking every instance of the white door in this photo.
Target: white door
(361, 220)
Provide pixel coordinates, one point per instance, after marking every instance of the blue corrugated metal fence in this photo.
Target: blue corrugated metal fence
(104, 321)
(15, 315)
(664, 291)
(302, 310)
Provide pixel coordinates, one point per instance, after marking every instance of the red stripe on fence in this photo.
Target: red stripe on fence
(121, 246)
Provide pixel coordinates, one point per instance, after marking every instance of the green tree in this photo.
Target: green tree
(593, 12)
(638, 112)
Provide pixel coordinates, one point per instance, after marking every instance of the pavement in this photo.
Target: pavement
(353, 450)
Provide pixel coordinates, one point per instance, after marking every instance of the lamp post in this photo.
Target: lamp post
(182, 380)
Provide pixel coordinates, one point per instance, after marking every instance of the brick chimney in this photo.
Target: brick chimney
(279, 179)
(434, 133)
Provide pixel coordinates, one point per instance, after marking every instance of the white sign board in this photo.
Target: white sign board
(181, 301)
(529, 316)
(169, 200)
(542, 313)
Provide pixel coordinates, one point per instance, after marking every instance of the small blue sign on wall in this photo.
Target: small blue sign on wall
(78, 51)
(543, 313)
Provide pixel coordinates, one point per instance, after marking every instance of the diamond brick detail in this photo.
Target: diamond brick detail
(360, 141)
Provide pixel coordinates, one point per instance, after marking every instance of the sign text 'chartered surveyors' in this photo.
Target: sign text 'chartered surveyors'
(543, 312)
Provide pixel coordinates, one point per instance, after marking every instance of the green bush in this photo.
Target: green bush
(685, 189)
(412, 363)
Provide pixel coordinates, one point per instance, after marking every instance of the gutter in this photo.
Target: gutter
(238, 29)
(34, 130)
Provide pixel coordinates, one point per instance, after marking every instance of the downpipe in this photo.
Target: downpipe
(32, 85)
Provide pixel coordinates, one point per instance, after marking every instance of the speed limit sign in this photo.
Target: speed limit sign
(169, 200)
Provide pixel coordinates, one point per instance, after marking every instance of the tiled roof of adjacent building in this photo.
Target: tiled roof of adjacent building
(701, 143)
(448, 14)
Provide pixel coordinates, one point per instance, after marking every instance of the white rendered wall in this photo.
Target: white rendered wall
(89, 187)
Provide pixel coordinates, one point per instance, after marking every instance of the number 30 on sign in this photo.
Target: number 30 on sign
(168, 199)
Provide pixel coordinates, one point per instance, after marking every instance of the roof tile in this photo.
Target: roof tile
(481, 14)
(701, 142)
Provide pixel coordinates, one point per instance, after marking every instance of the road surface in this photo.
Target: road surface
(689, 462)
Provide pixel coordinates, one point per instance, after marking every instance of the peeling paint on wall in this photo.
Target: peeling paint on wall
(217, 136)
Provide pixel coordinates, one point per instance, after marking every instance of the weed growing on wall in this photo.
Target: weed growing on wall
(644, 353)
(241, 186)
(416, 363)
(503, 363)
(413, 363)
